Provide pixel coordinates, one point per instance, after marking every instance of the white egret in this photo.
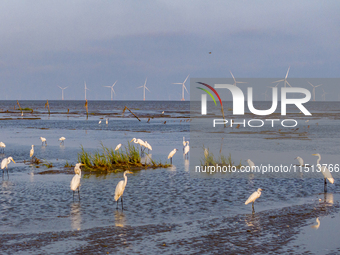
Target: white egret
(171, 154)
(206, 152)
(43, 140)
(5, 162)
(317, 225)
(75, 183)
(2, 146)
(77, 169)
(32, 151)
(253, 197)
(120, 188)
(148, 146)
(99, 122)
(62, 139)
(138, 141)
(118, 146)
(300, 161)
(251, 164)
(186, 149)
(162, 112)
(326, 173)
(107, 121)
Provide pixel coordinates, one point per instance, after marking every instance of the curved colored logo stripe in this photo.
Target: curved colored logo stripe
(208, 93)
(212, 90)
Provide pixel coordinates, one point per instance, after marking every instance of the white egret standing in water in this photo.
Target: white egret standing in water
(120, 188)
(251, 164)
(75, 183)
(324, 170)
(32, 151)
(253, 197)
(148, 146)
(171, 154)
(5, 162)
(300, 161)
(62, 139)
(206, 152)
(2, 146)
(186, 149)
(43, 140)
(138, 141)
(107, 121)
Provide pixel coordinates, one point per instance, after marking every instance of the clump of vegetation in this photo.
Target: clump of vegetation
(36, 161)
(26, 109)
(210, 160)
(109, 160)
(48, 164)
(68, 164)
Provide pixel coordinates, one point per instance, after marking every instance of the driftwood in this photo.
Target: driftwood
(87, 110)
(131, 112)
(48, 106)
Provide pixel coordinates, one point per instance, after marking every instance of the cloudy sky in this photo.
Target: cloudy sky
(46, 44)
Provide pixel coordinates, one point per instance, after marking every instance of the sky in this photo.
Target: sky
(46, 44)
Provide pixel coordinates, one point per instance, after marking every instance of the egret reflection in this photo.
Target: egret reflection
(317, 223)
(186, 165)
(32, 176)
(120, 220)
(75, 216)
(146, 159)
(328, 198)
(172, 168)
(253, 222)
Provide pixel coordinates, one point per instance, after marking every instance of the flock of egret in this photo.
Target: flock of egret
(75, 183)
(324, 170)
(44, 142)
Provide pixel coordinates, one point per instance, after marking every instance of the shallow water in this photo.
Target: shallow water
(35, 206)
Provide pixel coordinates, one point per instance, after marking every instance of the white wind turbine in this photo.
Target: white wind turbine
(284, 80)
(85, 89)
(62, 92)
(314, 89)
(324, 95)
(235, 82)
(112, 90)
(144, 87)
(183, 87)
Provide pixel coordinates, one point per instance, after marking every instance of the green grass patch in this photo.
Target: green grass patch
(26, 109)
(68, 164)
(209, 159)
(109, 160)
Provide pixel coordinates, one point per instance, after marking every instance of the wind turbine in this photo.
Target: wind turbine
(284, 80)
(144, 87)
(235, 82)
(85, 89)
(183, 87)
(62, 92)
(324, 95)
(112, 90)
(314, 89)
